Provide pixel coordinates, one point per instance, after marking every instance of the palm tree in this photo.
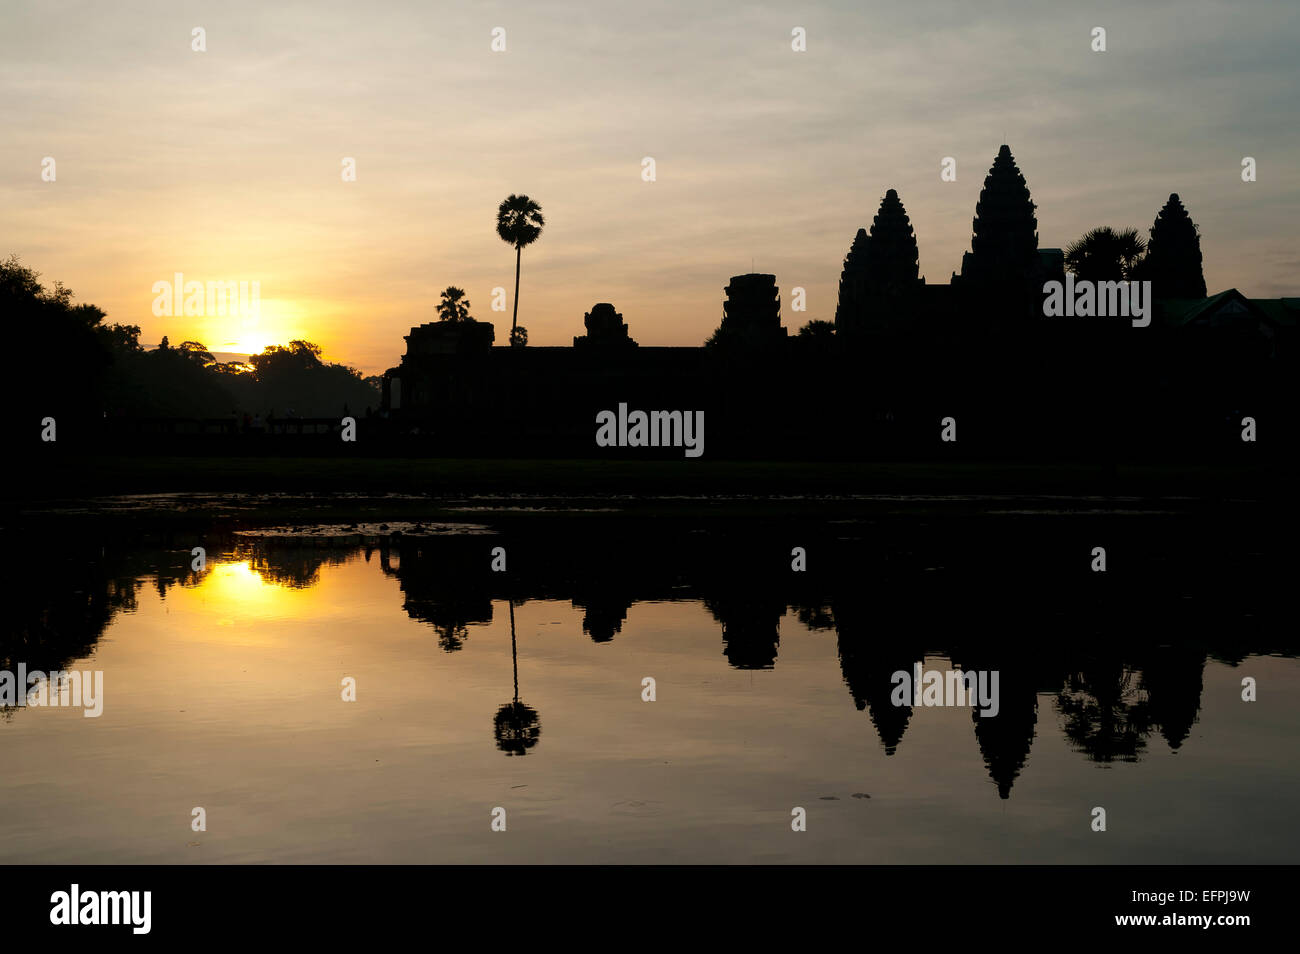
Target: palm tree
(519, 223)
(454, 306)
(1104, 254)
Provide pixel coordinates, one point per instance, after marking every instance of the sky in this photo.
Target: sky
(226, 164)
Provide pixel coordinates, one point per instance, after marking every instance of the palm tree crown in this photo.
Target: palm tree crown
(1104, 254)
(454, 306)
(519, 221)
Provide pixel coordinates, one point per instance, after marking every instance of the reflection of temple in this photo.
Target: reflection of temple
(1005, 739)
(1171, 677)
(870, 653)
(442, 592)
(1111, 694)
(604, 613)
(289, 563)
(751, 629)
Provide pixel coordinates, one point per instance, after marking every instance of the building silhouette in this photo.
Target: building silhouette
(904, 354)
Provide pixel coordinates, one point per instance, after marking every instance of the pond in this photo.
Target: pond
(566, 689)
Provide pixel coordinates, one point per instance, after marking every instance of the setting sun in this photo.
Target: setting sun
(277, 322)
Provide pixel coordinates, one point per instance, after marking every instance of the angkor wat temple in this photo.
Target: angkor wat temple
(904, 354)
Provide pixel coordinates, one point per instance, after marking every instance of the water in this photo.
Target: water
(523, 690)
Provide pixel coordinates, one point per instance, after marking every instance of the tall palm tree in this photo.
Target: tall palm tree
(1104, 254)
(519, 223)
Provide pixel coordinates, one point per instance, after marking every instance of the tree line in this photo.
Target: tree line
(74, 366)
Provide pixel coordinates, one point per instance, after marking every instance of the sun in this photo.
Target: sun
(277, 322)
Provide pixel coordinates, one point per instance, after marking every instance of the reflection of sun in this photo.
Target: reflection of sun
(240, 606)
(237, 586)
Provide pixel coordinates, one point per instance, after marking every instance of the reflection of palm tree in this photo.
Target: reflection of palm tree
(452, 636)
(1106, 711)
(519, 222)
(516, 726)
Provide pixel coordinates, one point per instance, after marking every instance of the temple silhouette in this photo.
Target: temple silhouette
(903, 353)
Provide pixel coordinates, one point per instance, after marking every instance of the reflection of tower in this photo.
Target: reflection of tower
(868, 666)
(1005, 739)
(443, 593)
(1172, 677)
(604, 616)
(516, 726)
(751, 629)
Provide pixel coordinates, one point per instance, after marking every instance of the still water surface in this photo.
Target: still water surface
(223, 690)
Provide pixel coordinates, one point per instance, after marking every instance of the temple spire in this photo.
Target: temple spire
(1173, 262)
(880, 267)
(1004, 241)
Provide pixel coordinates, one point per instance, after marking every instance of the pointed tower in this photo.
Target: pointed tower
(1004, 243)
(880, 271)
(1173, 262)
(853, 285)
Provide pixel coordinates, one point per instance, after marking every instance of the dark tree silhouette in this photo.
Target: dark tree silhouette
(519, 223)
(64, 352)
(197, 352)
(453, 306)
(818, 328)
(1173, 262)
(1105, 255)
(296, 377)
